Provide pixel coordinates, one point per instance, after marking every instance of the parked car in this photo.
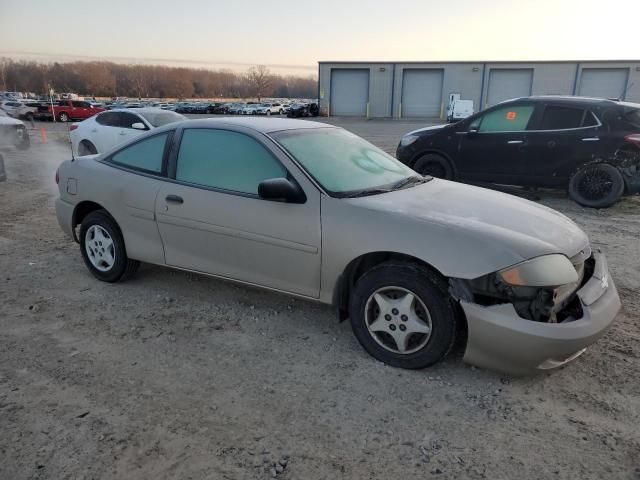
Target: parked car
(18, 109)
(297, 110)
(315, 211)
(250, 109)
(222, 108)
(589, 146)
(269, 109)
(108, 129)
(66, 110)
(236, 108)
(13, 133)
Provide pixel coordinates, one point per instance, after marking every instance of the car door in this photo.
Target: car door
(561, 137)
(79, 110)
(126, 131)
(493, 145)
(212, 220)
(129, 190)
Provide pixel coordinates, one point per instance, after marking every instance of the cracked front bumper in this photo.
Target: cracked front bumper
(499, 339)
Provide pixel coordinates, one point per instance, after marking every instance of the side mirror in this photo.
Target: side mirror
(139, 126)
(281, 190)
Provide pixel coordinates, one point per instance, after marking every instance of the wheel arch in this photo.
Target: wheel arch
(81, 211)
(365, 262)
(435, 151)
(362, 264)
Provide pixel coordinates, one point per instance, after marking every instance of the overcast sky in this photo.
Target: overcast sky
(293, 35)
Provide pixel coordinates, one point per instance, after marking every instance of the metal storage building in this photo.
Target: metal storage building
(421, 89)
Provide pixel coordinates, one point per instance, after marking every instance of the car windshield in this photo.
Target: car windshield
(343, 163)
(158, 119)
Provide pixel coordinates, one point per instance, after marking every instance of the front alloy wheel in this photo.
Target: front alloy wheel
(398, 320)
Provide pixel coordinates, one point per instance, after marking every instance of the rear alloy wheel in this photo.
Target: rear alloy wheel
(103, 250)
(401, 314)
(434, 165)
(63, 117)
(599, 185)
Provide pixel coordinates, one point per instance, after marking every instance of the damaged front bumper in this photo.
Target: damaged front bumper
(499, 339)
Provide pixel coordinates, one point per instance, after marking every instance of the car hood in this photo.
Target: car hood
(428, 129)
(517, 226)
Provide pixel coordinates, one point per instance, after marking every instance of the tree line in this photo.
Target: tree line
(108, 79)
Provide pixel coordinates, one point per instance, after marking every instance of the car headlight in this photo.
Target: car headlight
(408, 140)
(546, 271)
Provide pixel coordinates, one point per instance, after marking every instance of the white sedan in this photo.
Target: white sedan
(113, 127)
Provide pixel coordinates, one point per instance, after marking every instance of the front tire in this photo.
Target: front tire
(434, 165)
(103, 249)
(598, 185)
(402, 315)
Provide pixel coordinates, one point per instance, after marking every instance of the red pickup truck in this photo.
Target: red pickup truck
(67, 110)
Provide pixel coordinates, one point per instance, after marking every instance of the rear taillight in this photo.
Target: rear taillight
(633, 138)
(57, 177)
(73, 126)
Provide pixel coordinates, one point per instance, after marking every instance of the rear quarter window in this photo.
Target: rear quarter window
(632, 116)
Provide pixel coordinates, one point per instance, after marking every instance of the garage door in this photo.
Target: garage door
(349, 92)
(505, 84)
(603, 82)
(421, 92)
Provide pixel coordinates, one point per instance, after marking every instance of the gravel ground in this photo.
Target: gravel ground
(174, 375)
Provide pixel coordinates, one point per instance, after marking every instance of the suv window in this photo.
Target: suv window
(506, 119)
(226, 160)
(128, 119)
(557, 117)
(109, 119)
(145, 155)
(633, 117)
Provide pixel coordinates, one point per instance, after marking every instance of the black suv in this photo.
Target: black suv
(589, 146)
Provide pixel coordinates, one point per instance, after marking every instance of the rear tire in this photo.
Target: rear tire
(63, 117)
(434, 165)
(103, 249)
(598, 185)
(425, 325)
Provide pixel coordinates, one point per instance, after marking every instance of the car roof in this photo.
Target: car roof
(260, 124)
(569, 99)
(142, 110)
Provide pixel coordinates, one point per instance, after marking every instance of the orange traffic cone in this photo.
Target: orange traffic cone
(43, 135)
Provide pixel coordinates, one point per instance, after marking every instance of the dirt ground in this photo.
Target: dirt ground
(178, 376)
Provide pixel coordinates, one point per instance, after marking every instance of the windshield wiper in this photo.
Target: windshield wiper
(367, 192)
(414, 180)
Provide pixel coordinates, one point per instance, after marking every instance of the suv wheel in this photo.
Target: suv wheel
(434, 165)
(103, 250)
(598, 185)
(402, 315)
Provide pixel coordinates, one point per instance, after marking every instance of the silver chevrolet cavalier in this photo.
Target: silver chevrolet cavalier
(317, 212)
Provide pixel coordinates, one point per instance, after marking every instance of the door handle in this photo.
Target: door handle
(590, 139)
(174, 199)
(122, 133)
(515, 142)
(94, 130)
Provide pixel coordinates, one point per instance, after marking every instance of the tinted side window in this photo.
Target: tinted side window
(145, 155)
(506, 119)
(109, 119)
(128, 119)
(226, 160)
(559, 118)
(79, 104)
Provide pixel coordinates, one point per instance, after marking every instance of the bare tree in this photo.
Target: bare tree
(260, 79)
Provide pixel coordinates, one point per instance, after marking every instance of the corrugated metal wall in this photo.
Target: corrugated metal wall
(472, 80)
